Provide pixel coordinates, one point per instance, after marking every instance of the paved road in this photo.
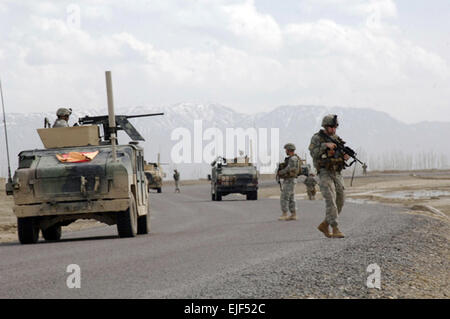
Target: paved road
(199, 248)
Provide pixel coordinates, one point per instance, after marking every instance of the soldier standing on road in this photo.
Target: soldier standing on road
(364, 167)
(329, 168)
(176, 178)
(311, 183)
(63, 117)
(288, 173)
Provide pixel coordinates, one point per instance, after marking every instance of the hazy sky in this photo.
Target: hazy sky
(251, 55)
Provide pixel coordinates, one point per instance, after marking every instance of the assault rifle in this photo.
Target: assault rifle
(277, 177)
(122, 123)
(341, 149)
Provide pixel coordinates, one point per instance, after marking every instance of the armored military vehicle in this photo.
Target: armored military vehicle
(236, 175)
(154, 174)
(80, 175)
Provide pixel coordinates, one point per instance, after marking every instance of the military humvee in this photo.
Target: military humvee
(81, 176)
(233, 176)
(154, 174)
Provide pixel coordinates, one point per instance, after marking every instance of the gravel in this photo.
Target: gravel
(413, 258)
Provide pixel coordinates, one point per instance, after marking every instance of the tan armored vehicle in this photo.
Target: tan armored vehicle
(154, 174)
(82, 176)
(236, 175)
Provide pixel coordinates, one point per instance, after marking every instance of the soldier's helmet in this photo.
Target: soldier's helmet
(290, 147)
(62, 111)
(330, 120)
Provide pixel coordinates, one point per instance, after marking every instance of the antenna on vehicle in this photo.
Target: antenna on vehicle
(9, 190)
(112, 117)
(251, 151)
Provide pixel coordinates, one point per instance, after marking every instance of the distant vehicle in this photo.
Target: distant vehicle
(154, 174)
(234, 176)
(81, 176)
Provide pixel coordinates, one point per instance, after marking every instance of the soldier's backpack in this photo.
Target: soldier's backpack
(299, 165)
(303, 168)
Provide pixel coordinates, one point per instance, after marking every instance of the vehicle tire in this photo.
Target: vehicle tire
(127, 220)
(143, 226)
(248, 195)
(52, 233)
(28, 230)
(159, 190)
(218, 196)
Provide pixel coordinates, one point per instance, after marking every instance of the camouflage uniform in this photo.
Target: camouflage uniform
(331, 181)
(61, 123)
(289, 176)
(311, 183)
(331, 184)
(176, 178)
(364, 167)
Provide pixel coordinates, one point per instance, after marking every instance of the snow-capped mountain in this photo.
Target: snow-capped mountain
(380, 140)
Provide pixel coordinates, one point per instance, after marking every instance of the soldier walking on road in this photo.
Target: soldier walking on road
(288, 172)
(311, 183)
(63, 117)
(176, 178)
(329, 167)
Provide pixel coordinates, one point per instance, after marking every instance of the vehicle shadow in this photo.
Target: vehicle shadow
(223, 200)
(82, 239)
(44, 242)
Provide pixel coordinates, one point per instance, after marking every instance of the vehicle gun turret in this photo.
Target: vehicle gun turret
(122, 123)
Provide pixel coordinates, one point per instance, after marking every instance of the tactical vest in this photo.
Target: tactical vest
(332, 163)
(292, 174)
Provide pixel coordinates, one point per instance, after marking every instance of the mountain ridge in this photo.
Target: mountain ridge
(381, 140)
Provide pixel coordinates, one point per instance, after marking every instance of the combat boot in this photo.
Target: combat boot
(293, 216)
(337, 233)
(283, 216)
(323, 227)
